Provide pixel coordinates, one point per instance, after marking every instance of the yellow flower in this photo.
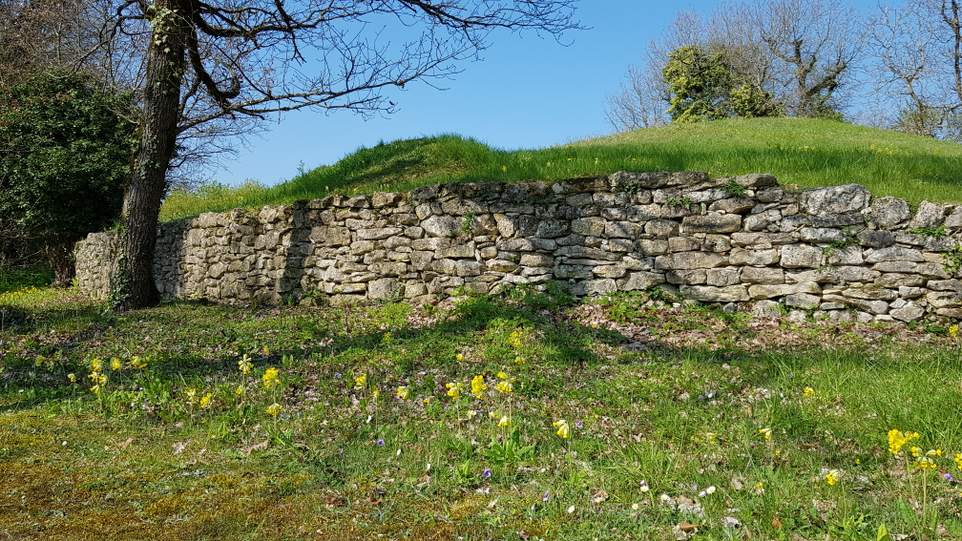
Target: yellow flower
(504, 421)
(831, 478)
(205, 401)
(954, 331)
(519, 360)
(191, 395)
(72, 377)
(454, 390)
(360, 381)
(898, 439)
(240, 391)
(271, 378)
(459, 357)
(266, 350)
(375, 393)
(504, 387)
(115, 364)
(934, 453)
(958, 460)
(274, 409)
(563, 430)
(808, 392)
(916, 451)
(502, 375)
(245, 365)
(96, 365)
(478, 386)
(765, 433)
(402, 393)
(516, 340)
(924, 463)
(138, 362)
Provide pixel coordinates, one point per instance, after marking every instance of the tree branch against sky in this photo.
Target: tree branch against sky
(216, 63)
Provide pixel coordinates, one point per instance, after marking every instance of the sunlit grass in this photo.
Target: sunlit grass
(804, 152)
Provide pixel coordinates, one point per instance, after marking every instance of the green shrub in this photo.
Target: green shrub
(65, 149)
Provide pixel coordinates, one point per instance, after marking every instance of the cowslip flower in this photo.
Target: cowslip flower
(563, 431)
(72, 378)
(138, 362)
(924, 463)
(191, 395)
(274, 409)
(954, 331)
(916, 451)
(360, 381)
(478, 386)
(765, 433)
(808, 392)
(502, 375)
(831, 478)
(206, 400)
(515, 340)
(453, 390)
(402, 393)
(240, 391)
(459, 357)
(504, 387)
(504, 421)
(271, 378)
(898, 440)
(245, 365)
(115, 363)
(958, 460)
(96, 365)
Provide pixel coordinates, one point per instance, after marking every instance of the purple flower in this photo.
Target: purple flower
(380, 442)
(545, 496)
(486, 474)
(578, 424)
(948, 477)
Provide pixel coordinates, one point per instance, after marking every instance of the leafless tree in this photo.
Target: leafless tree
(212, 66)
(815, 45)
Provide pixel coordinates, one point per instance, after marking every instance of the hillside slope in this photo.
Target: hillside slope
(805, 152)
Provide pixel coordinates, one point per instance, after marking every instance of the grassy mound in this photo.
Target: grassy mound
(806, 152)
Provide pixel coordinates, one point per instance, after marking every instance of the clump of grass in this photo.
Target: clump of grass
(804, 152)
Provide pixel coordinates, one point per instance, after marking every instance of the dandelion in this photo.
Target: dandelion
(831, 478)
(453, 390)
(206, 400)
(402, 393)
(504, 421)
(360, 381)
(72, 378)
(274, 409)
(765, 433)
(240, 391)
(808, 392)
(563, 431)
(115, 364)
(245, 365)
(478, 386)
(271, 378)
(138, 363)
(504, 387)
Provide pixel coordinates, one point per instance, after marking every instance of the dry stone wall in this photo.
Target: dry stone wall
(837, 252)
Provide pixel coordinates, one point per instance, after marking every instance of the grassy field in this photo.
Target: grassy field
(526, 416)
(805, 152)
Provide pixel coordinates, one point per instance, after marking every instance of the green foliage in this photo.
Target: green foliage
(704, 86)
(934, 232)
(65, 149)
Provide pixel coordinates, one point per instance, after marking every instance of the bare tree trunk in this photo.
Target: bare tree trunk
(133, 282)
(60, 259)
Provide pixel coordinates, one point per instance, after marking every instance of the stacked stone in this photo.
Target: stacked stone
(834, 252)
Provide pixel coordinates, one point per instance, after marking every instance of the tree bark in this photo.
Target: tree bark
(133, 281)
(60, 259)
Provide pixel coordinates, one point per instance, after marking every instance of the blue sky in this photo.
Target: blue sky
(525, 92)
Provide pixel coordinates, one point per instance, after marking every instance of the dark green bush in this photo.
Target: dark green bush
(65, 149)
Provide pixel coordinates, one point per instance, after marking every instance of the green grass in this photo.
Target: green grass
(804, 152)
(668, 399)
